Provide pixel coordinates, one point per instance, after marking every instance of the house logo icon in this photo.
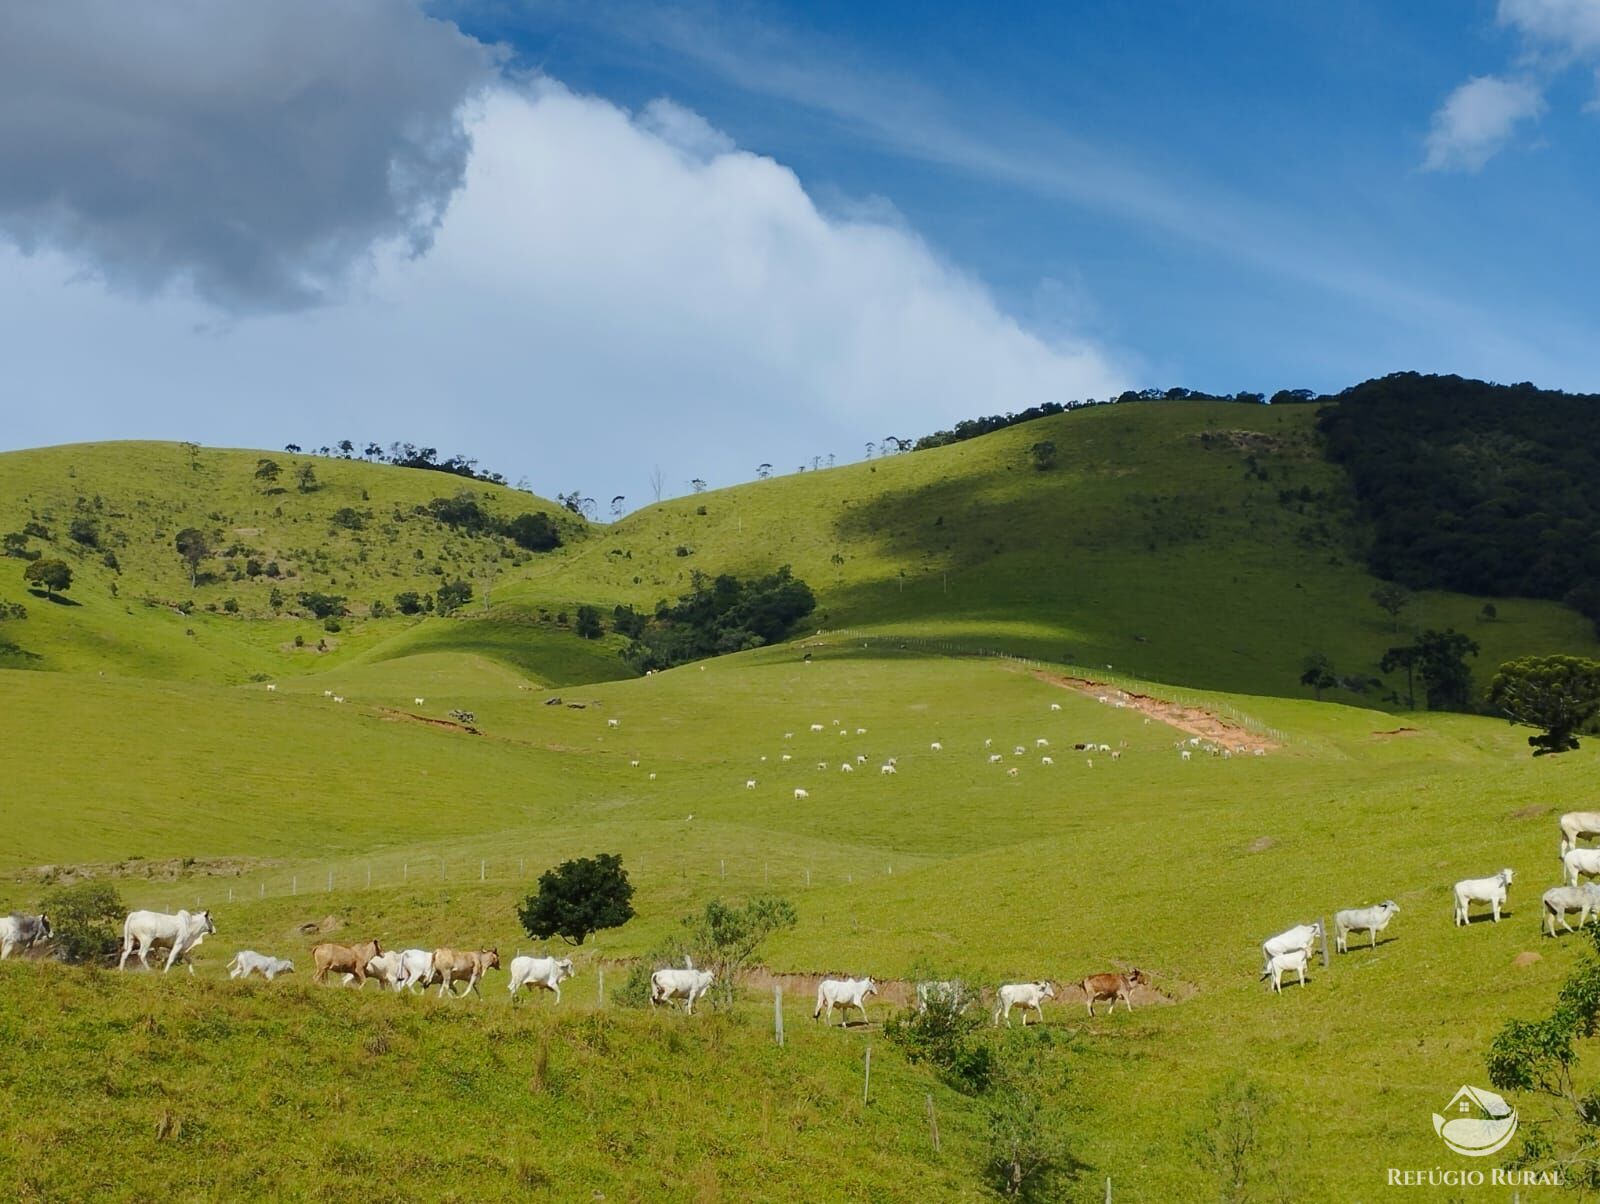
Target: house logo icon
(1476, 1122)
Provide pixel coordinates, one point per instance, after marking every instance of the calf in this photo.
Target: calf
(1023, 995)
(247, 962)
(1294, 960)
(1113, 987)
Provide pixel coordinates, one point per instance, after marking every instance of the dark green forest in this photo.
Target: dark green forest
(1475, 487)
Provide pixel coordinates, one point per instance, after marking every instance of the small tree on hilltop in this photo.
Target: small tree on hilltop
(267, 472)
(579, 897)
(52, 575)
(1559, 694)
(194, 547)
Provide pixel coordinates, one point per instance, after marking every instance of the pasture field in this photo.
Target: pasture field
(1180, 867)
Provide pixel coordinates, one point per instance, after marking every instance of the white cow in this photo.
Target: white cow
(1185, 754)
(1055, 706)
(1559, 900)
(613, 723)
(816, 727)
(691, 984)
(545, 973)
(1294, 960)
(1023, 995)
(247, 961)
(1301, 936)
(387, 969)
(271, 687)
(995, 758)
(936, 746)
(1047, 760)
(183, 932)
(1481, 890)
(843, 993)
(418, 701)
(749, 783)
(1575, 825)
(846, 767)
(18, 931)
(800, 792)
(416, 969)
(1372, 920)
(1041, 742)
(1579, 861)
(887, 768)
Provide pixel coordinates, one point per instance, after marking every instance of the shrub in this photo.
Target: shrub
(408, 603)
(588, 625)
(944, 1034)
(84, 531)
(87, 919)
(331, 624)
(231, 605)
(323, 606)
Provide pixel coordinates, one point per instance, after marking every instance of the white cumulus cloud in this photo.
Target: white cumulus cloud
(606, 290)
(1477, 119)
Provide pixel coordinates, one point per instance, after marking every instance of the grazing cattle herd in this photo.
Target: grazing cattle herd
(413, 970)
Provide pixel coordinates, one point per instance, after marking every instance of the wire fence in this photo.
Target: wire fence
(1106, 676)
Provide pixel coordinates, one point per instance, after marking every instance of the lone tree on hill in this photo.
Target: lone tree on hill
(306, 477)
(1044, 455)
(1392, 599)
(1318, 674)
(267, 472)
(53, 575)
(193, 546)
(577, 898)
(1559, 694)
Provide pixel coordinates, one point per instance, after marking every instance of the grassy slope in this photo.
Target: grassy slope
(1057, 872)
(966, 542)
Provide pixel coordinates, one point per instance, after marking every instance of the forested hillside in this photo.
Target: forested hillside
(1475, 487)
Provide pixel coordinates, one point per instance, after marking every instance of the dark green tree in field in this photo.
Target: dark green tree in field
(86, 918)
(194, 547)
(84, 531)
(534, 531)
(324, 606)
(1403, 657)
(306, 478)
(453, 595)
(1439, 658)
(587, 624)
(267, 472)
(1392, 599)
(408, 603)
(577, 898)
(1318, 674)
(51, 575)
(1044, 455)
(1558, 694)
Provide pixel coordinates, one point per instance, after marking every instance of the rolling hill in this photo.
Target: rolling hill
(1230, 507)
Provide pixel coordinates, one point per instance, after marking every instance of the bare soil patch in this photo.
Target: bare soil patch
(394, 716)
(1196, 721)
(167, 869)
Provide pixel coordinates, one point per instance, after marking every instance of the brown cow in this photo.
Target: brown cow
(1113, 987)
(344, 958)
(451, 966)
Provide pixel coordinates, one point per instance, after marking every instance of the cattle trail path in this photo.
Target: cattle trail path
(1196, 721)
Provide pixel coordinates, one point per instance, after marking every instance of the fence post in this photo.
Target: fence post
(933, 1122)
(600, 992)
(777, 1012)
(1108, 1189)
(294, 884)
(330, 879)
(866, 1080)
(1324, 942)
(369, 875)
(808, 876)
(480, 869)
(722, 867)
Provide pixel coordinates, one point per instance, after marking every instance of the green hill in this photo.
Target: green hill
(1231, 509)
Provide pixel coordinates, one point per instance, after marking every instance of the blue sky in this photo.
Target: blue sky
(582, 240)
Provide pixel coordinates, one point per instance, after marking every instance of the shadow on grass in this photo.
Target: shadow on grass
(58, 599)
(10, 651)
